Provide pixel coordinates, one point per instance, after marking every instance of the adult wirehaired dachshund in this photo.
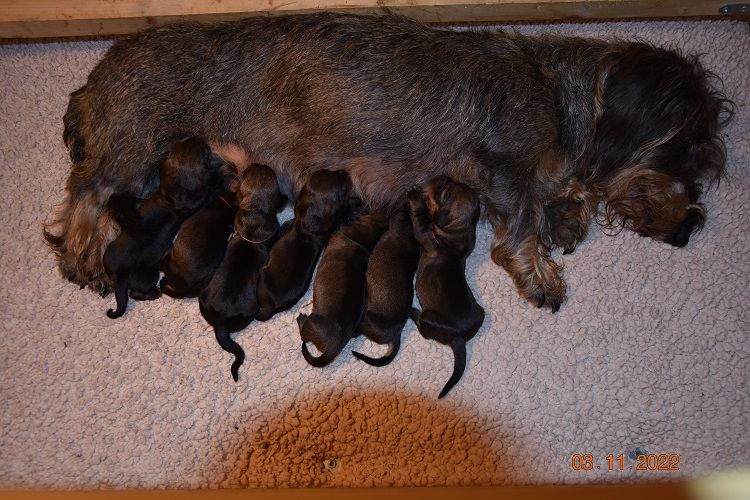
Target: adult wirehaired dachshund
(230, 302)
(131, 260)
(199, 247)
(445, 215)
(543, 128)
(390, 286)
(325, 202)
(339, 289)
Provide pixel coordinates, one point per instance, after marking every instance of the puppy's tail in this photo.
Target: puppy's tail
(458, 346)
(72, 135)
(331, 351)
(394, 346)
(319, 361)
(121, 296)
(229, 345)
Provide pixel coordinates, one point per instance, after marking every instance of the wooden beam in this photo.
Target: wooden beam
(63, 18)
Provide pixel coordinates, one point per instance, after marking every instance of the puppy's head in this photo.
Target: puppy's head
(188, 174)
(259, 189)
(326, 199)
(453, 206)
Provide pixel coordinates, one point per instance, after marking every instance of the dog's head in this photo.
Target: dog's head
(656, 142)
(326, 199)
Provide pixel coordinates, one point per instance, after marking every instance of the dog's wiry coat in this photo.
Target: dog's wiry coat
(543, 128)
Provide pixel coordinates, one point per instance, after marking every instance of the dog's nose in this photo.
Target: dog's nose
(681, 237)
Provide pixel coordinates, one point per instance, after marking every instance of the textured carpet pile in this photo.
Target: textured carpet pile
(651, 349)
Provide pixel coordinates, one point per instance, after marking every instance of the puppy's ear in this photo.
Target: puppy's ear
(301, 320)
(435, 194)
(415, 194)
(355, 204)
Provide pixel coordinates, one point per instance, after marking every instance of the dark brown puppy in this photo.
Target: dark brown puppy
(325, 201)
(229, 303)
(339, 289)
(445, 216)
(199, 247)
(132, 259)
(390, 286)
(543, 128)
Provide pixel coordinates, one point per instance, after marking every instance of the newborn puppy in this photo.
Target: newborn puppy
(323, 203)
(390, 286)
(339, 289)
(199, 248)
(132, 259)
(444, 216)
(229, 302)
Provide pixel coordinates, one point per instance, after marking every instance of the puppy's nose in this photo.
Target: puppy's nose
(681, 237)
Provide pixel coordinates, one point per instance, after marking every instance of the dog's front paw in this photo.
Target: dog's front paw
(552, 300)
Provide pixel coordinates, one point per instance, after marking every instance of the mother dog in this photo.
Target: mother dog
(544, 128)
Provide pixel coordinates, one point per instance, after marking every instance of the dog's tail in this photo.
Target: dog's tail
(72, 126)
(393, 348)
(121, 296)
(229, 345)
(458, 346)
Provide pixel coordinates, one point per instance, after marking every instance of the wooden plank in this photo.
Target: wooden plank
(64, 18)
(653, 491)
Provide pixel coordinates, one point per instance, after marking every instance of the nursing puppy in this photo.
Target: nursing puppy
(390, 286)
(229, 302)
(132, 259)
(199, 247)
(444, 216)
(339, 289)
(324, 202)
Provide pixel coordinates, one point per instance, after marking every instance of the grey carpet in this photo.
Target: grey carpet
(650, 350)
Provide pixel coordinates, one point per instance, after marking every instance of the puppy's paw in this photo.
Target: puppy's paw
(152, 294)
(415, 194)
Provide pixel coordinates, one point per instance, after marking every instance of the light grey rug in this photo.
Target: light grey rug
(650, 350)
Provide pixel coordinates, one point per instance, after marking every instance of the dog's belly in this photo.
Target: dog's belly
(380, 182)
